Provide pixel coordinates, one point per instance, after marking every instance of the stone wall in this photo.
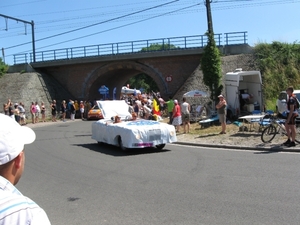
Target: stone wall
(31, 87)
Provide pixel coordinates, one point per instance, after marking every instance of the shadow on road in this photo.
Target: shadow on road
(117, 152)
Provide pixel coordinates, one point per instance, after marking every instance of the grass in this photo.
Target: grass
(195, 128)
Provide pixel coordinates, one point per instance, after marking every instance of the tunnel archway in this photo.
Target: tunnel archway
(116, 74)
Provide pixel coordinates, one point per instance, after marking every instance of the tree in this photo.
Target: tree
(159, 47)
(211, 68)
(3, 67)
(143, 81)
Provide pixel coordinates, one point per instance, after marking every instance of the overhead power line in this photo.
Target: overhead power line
(120, 26)
(217, 5)
(95, 24)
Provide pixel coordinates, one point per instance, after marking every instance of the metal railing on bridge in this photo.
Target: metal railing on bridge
(161, 44)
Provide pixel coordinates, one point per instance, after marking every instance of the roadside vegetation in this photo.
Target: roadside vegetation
(3, 67)
(211, 68)
(280, 67)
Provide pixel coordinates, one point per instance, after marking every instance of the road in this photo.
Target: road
(78, 181)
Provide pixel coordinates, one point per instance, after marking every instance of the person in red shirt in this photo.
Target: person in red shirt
(177, 121)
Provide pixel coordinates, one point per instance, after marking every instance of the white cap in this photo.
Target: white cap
(13, 137)
(220, 96)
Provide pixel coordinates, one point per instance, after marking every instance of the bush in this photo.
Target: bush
(3, 68)
(280, 67)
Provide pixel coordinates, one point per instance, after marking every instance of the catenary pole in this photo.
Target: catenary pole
(32, 28)
(209, 17)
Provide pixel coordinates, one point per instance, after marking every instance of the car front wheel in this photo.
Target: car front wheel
(160, 147)
(120, 142)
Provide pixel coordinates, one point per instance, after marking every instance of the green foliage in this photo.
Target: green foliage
(159, 47)
(3, 68)
(211, 68)
(280, 67)
(143, 81)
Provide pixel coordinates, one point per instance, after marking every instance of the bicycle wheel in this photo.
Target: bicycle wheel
(268, 133)
(297, 139)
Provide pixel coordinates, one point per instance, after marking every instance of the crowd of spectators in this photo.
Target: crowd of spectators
(37, 112)
(145, 106)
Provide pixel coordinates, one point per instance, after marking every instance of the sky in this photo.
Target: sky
(70, 23)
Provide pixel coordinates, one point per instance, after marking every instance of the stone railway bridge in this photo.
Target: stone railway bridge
(82, 77)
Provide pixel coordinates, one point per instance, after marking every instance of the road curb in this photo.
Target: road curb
(268, 149)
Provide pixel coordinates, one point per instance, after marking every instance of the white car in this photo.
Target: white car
(281, 106)
(139, 133)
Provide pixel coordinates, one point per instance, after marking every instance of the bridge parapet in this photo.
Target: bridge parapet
(132, 47)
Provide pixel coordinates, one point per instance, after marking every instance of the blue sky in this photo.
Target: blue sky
(264, 20)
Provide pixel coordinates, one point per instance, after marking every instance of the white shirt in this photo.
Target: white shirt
(37, 108)
(15, 208)
(185, 108)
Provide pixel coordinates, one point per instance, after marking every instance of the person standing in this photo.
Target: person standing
(177, 121)
(73, 110)
(185, 114)
(170, 106)
(11, 110)
(32, 112)
(63, 109)
(43, 111)
(37, 112)
(292, 113)
(81, 108)
(76, 109)
(17, 113)
(16, 208)
(53, 110)
(22, 113)
(5, 107)
(221, 108)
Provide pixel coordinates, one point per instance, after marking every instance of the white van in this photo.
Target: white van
(243, 92)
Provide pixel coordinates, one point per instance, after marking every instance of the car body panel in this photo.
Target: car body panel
(95, 113)
(134, 134)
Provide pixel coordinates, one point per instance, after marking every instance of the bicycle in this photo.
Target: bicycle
(276, 126)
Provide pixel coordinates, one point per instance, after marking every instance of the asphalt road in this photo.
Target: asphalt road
(78, 181)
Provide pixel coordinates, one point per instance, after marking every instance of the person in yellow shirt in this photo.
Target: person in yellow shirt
(76, 109)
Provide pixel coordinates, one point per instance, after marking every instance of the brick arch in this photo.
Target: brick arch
(118, 73)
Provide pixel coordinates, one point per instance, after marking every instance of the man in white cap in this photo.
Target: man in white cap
(15, 208)
(221, 108)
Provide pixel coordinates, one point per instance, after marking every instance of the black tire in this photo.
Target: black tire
(120, 142)
(268, 133)
(160, 147)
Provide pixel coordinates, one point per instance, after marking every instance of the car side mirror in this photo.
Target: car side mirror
(283, 101)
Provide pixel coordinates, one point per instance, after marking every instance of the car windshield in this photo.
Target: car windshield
(95, 107)
(298, 96)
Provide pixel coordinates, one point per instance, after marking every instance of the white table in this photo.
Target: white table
(250, 119)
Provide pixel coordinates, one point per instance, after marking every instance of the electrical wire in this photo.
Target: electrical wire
(95, 24)
(170, 12)
(221, 5)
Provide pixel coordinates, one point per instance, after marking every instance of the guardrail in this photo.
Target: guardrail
(162, 44)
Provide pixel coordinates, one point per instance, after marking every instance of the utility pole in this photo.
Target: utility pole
(209, 18)
(26, 22)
